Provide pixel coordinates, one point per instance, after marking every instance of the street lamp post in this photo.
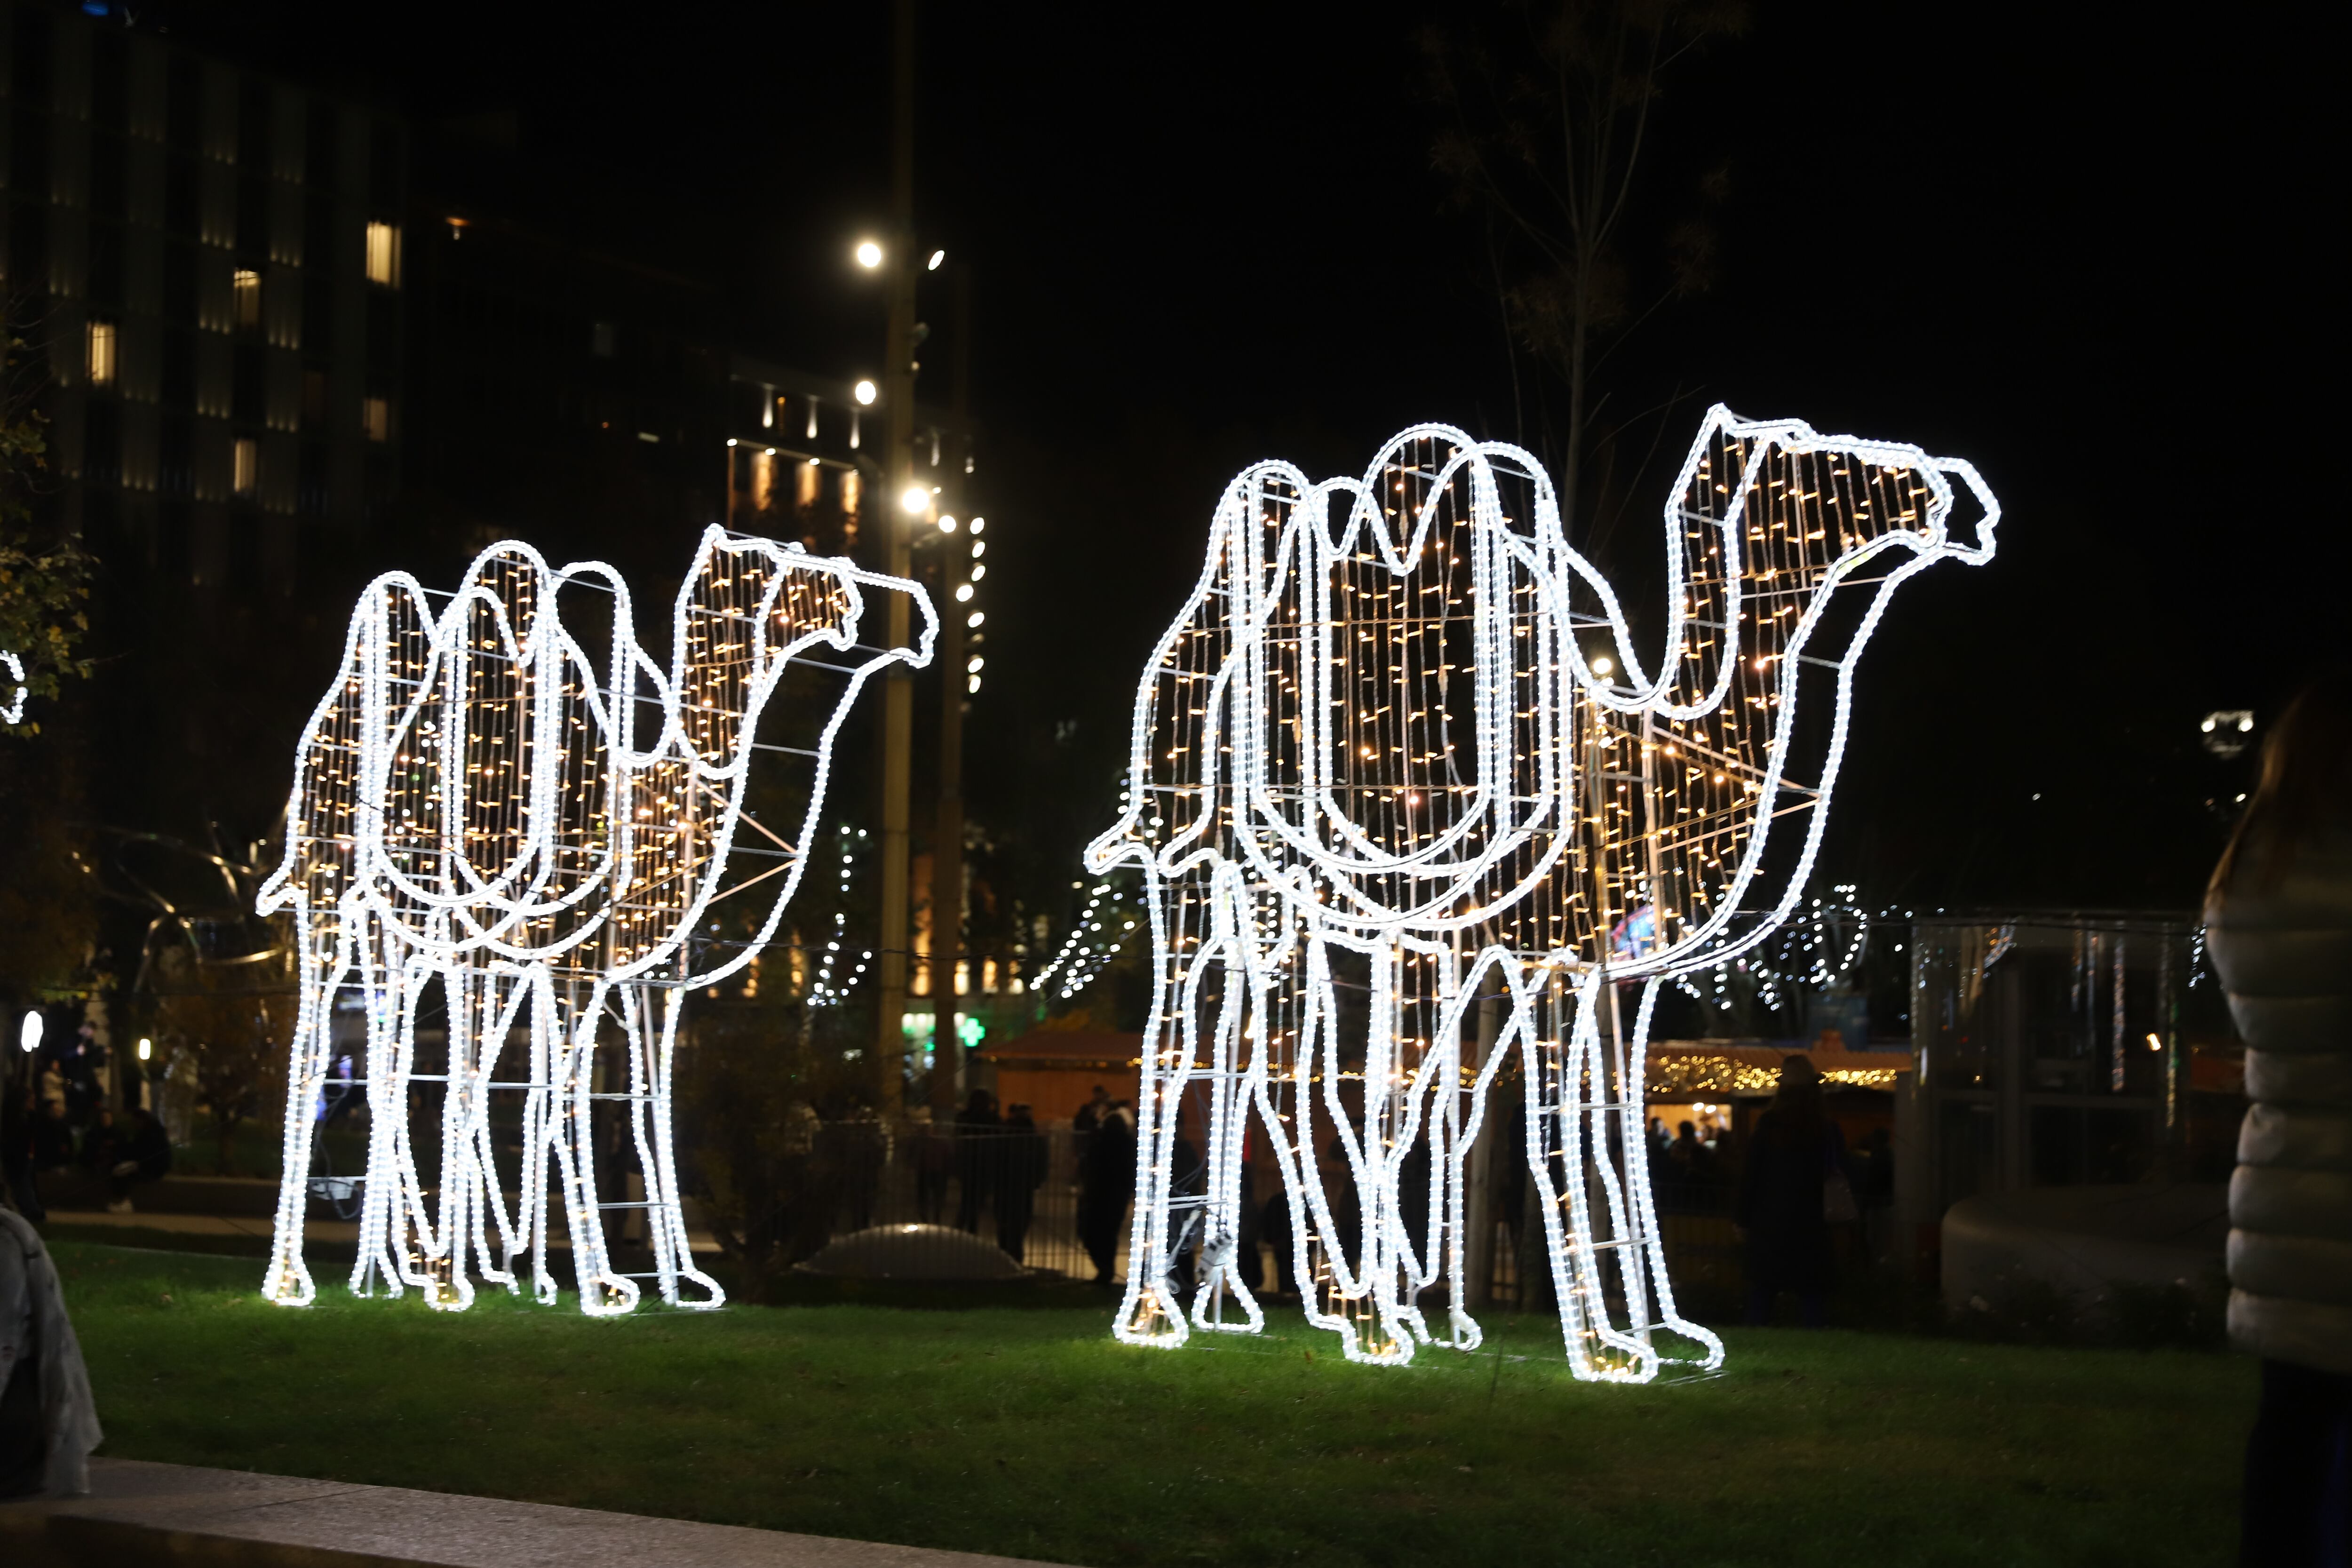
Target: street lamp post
(898, 469)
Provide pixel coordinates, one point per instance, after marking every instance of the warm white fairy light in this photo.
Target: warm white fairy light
(479, 802)
(14, 713)
(1379, 754)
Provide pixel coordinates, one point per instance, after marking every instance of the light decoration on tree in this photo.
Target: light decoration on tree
(14, 713)
(1101, 929)
(1815, 950)
(490, 823)
(1401, 752)
(824, 992)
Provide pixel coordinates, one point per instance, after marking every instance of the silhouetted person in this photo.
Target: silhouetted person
(1781, 1213)
(141, 1153)
(857, 1163)
(1106, 1186)
(934, 1161)
(976, 1129)
(53, 1147)
(1021, 1160)
(2278, 920)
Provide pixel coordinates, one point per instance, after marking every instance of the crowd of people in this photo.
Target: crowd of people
(54, 1131)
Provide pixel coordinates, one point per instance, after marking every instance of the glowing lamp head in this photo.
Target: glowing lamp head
(146, 1050)
(1604, 665)
(864, 391)
(947, 523)
(933, 264)
(869, 255)
(978, 523)
(914, 501)
(28, 1034)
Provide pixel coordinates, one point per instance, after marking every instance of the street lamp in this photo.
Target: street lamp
(28, 1037)
(933, 264)
(869, 255)
(865, 394)
(915, 500)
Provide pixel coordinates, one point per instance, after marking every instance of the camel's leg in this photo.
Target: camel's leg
(603, 1293)
(656, 1148)
(382, 1211)
(311, 1057)
(1669, 1317)
(462, 1009)
(1236, 1059)
(548, 1028)
(505, 996)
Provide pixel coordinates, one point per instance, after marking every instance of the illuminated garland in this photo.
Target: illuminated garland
(824, 992)
(14, 713)
(481, 804)
(1401, 743)
(1801, 958)
(1087, 950)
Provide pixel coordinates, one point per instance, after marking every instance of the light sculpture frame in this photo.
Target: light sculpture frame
(481, 806)
(1376, 739)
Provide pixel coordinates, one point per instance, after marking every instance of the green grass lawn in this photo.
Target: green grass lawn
(1031, 1433)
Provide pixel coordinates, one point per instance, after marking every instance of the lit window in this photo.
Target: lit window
(245, 466)
(246, 288)
(384, 255)
(375, 413)
(102, 353)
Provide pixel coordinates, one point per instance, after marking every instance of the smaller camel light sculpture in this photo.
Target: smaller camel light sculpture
(488, 817)
(1414, 804)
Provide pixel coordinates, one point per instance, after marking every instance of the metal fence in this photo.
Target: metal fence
(1037, 1195)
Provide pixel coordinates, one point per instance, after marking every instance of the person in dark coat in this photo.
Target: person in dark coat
(142, 1153)
(1106, 1186)
(1021, 1162)
(1781, 1214)
(2278, 924)
(977, 1126)
(934, 1163)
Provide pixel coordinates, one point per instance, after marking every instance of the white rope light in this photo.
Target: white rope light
(14, 713)
(1401, 750)
(478, 802)
(1816, 950)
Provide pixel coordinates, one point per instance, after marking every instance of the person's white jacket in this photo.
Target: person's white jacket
(2283, 950)
(30, 1296)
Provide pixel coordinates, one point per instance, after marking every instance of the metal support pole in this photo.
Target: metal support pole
(898, 467)
(947, 848)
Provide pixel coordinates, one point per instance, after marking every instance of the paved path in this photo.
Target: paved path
(140, 1514)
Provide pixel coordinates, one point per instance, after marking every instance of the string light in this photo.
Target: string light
(477, 802)
(1379, 753)
(14, 713)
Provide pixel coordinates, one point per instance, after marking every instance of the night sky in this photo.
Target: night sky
(2083, 254)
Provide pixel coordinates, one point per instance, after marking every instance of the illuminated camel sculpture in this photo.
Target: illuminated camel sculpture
(479, 803)
(1401, 752)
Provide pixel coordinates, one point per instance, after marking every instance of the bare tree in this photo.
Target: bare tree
(236, 1038)
(1548, 125)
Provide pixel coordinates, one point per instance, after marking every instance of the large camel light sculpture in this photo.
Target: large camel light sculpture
(482, 807)
(1402, 751)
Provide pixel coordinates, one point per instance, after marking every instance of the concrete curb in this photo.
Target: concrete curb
(144, 1515)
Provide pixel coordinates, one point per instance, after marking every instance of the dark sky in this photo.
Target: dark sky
(2084, 255)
